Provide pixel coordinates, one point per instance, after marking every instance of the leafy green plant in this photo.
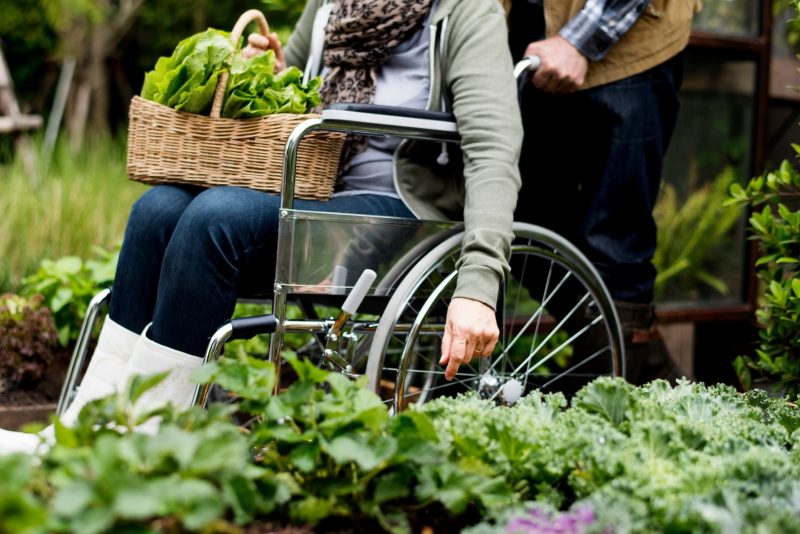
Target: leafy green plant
(21, 510)
(657, 458)
(326, 448)
(68, 284)
(187, 79)
(345, 455)
(325, 453)
(195, 475)
(690, 236)
(28, 342)
(776, 228)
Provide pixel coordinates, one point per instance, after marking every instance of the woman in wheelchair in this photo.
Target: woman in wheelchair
(189, 252)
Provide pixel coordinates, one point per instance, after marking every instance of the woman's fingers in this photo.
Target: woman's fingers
(447, 341)
(488, 347)
(457, 350)
(256, 40)
(257, 44)
(275, 44)
(471, 332)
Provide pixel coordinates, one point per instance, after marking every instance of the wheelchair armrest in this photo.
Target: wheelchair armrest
(366, 119)
(372, 119)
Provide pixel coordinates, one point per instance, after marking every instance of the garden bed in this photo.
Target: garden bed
(325, 456)
(22, 406)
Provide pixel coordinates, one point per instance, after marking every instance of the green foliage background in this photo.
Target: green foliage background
(32, 49)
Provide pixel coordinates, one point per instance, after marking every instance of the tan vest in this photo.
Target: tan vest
(660, 33)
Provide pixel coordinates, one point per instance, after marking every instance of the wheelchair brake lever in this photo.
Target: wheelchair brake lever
(349, 308)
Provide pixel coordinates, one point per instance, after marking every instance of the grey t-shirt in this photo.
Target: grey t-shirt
(402, 81)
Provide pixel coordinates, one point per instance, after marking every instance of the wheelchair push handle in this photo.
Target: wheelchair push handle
(527, 64)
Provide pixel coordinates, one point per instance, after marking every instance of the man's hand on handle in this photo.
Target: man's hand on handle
(563, 68)
(257, 44)
(470, 332)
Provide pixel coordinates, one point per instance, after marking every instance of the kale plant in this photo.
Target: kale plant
(688, 458)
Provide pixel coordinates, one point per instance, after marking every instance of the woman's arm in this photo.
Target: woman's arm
(299, 45)
(478, 74)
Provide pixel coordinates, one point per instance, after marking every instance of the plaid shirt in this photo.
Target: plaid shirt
(600, 24)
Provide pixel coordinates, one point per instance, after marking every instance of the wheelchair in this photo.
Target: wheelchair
(392, 279)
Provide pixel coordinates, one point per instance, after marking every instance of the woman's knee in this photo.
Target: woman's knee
(159, 209)
(229, 219)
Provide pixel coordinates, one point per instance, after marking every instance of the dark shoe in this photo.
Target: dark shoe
(646, 355)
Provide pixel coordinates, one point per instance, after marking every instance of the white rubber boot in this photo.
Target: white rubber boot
(11, 442)
(104, 376)
(150, 358)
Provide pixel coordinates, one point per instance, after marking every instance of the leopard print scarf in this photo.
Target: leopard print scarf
(359, 38)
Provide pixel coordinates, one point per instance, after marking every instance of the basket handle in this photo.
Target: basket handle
(247, 17)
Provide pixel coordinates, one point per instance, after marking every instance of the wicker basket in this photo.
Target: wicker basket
(168, 146)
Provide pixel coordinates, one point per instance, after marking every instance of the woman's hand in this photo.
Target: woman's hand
(470, 332)
(258, 44)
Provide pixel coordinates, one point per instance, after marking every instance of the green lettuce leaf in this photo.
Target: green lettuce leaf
(187, 80)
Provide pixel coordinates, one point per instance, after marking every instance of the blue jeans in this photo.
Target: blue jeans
(591, 167)
(189, 252)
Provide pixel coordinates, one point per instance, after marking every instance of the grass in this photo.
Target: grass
(79, 201)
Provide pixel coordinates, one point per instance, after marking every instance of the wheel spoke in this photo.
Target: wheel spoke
(550, 335)
(449, 385)
(548, 306)
(535, 315)
(539, 319)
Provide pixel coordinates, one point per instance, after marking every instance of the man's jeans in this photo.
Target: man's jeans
(189, 252)
(591, 167)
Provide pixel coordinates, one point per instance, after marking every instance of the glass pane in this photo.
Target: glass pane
(700, 254)
(728, 17)
(784, 113)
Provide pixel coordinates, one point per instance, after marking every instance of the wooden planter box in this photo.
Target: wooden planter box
(15, 417)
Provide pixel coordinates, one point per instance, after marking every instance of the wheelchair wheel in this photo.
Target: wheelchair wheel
(558, 326)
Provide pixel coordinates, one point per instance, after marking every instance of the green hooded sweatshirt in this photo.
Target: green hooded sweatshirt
(471, 76)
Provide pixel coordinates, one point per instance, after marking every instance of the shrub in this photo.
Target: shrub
(776, 228)
(68, 285)
(28, 342)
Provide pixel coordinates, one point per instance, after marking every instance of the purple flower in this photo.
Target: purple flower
(540, 521)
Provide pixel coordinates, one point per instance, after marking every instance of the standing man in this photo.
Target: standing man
(598, 116)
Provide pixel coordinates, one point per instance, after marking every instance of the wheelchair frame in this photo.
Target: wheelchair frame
(430, 126)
